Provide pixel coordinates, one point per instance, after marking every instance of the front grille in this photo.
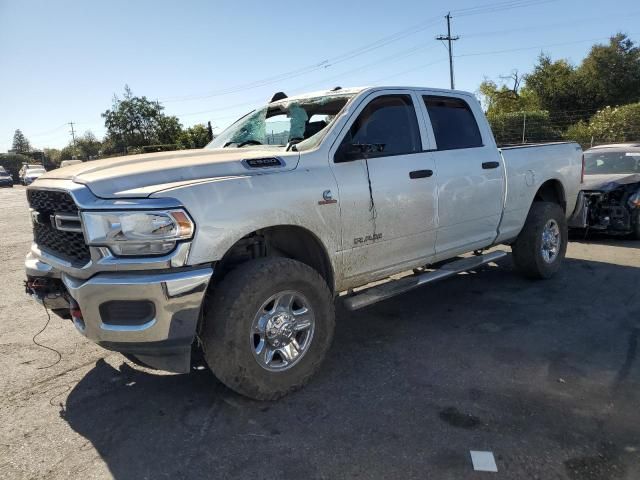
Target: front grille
(68, 245)
(51, 201)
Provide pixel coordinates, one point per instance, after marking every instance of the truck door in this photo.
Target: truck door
(387, 186)
(470, 179)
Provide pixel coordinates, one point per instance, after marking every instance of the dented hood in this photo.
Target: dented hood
(606, 183)
(142, 175)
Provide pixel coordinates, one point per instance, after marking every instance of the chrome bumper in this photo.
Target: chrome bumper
(163, 340)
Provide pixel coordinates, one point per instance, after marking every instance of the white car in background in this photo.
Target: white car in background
(31, 173)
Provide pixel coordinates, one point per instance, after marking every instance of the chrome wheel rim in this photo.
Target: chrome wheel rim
(282, 331)
(551, 241)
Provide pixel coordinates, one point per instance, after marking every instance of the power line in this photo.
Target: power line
(49, 132)
(393, 57)
(419, 67)
(326, 63)
(497, 7)
(548, 26)
(494, 52)
(449, 39)
(481, 9)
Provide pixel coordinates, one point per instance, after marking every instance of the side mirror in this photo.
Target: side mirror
(348, 152)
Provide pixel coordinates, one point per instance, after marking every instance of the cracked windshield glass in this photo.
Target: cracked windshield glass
(284, 123)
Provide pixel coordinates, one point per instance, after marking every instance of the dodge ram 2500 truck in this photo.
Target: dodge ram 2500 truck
(240, 249)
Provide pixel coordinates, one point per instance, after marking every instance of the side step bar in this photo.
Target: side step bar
(395, 287)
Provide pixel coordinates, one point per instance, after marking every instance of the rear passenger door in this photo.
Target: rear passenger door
(470, 177)
(387, 201)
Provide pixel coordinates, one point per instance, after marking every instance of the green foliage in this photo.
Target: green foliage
(609, 75)
(556, 86)
(136, 121)
(609, 125)
(510, 127)
(87, 146)
(12, 162)
(20, 142)
(53, 156)
(194, 137)
(579, 132)
(67, 153)
(504, 99)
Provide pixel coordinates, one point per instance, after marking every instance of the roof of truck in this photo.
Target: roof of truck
(356, 90)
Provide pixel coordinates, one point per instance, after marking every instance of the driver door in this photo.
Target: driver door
(387, 187)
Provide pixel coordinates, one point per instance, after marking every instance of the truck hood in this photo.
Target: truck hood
(606, 183)
(142, 175)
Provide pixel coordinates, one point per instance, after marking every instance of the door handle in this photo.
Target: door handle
(420, 173)
(490, 165)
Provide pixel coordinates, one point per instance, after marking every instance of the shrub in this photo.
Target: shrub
(609, 125)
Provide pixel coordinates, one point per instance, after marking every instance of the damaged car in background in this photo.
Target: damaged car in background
(610, 200)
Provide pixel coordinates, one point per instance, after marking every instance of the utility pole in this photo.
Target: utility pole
(449, 39)
(73, 136)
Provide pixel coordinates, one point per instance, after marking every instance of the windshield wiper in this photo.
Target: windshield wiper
(243, 143)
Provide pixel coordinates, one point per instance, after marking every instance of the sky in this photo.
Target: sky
(63, 61)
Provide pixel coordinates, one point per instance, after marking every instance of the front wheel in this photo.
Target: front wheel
(267, 327)
(542, 244)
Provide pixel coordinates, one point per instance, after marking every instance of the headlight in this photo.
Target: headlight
(634, 200)
(137, 233)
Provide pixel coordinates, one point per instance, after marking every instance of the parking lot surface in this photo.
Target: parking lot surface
(543, 374)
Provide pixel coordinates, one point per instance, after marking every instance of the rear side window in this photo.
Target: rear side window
(454, 125)
(387, 126)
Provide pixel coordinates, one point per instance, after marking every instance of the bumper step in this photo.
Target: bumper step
(395, 287)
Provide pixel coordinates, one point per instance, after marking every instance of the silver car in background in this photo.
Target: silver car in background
(610, 199)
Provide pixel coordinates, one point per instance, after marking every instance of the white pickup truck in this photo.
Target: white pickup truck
(241, 249)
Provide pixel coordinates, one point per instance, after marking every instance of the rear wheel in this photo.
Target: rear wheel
(268, 326)
(542, 244)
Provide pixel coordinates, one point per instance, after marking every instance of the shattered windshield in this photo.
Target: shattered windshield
(603, 163)
(286, 122)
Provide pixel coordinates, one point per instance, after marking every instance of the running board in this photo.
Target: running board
(395, 287)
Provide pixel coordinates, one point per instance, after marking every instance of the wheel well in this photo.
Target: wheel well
(280, 241)
(551, 191)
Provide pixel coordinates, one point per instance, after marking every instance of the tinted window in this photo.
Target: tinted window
(453, 123)
(387, 126)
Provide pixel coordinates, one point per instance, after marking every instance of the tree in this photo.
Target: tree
(507, 98)
(560, 93)
(20, 142)
(68, 152)
(610, 74)
(52, 155)
(87, 146)
(196, 136)
(136, 122)
(12, 162)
